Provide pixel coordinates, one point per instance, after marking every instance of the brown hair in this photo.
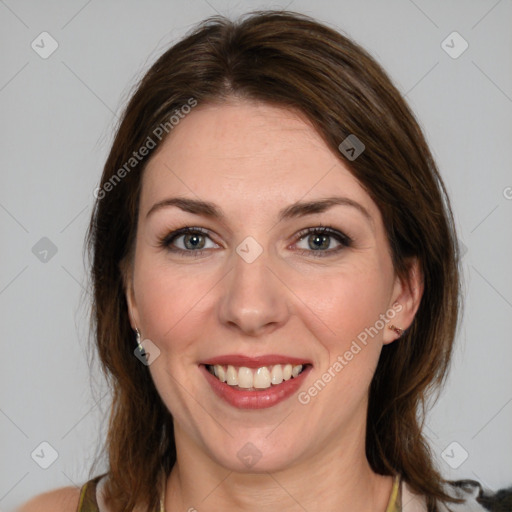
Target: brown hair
(286, 59)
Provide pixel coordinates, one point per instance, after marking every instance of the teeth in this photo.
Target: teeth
(219, 372)
(232, 376)
(260, 378)
(245, 377)
(276, 377)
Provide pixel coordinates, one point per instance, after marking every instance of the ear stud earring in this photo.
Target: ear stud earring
(396, 329)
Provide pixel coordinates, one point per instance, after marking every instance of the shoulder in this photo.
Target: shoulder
(474, 498)
(64, 499)
(478, 499)
(466, 490)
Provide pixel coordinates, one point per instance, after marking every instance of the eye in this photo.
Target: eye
(189, 241)
(319, 241)
(192, 241)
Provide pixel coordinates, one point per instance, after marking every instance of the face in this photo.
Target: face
(256, 285)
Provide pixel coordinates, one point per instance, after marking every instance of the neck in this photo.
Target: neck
(342, 478)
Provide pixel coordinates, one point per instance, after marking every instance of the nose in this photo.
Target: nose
(254, 299)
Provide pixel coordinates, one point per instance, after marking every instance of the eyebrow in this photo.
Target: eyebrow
(298, 209)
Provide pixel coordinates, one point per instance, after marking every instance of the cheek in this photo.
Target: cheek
(172, 302)
(348, 301)
(349, 304)
(170, 309)
(162, 298)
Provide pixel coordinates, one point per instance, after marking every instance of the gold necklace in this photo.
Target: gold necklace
(162, 495)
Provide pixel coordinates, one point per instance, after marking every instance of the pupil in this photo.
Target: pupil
(321, 238)
(194, 240)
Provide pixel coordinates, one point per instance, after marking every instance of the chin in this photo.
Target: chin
(255, 454)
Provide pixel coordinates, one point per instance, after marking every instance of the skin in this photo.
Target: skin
(252, 160)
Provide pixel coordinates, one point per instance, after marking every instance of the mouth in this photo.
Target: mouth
(253, 379)
(255, 383)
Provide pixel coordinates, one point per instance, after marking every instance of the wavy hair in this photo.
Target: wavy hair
(286, 59)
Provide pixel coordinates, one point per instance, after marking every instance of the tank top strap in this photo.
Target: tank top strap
(87, 501)
(395, 499)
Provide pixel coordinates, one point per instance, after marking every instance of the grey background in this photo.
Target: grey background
(58, 116)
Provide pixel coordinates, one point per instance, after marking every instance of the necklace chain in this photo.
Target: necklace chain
(163, 481)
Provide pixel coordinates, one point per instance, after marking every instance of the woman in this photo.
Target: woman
(276, 285)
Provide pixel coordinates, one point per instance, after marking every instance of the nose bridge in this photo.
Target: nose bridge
(253, 298)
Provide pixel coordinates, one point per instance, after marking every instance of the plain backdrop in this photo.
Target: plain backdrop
(58, 114)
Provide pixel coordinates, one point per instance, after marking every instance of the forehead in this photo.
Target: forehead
(261, 155)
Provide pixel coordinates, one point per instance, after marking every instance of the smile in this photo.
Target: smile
(255, 382)
(249, 379)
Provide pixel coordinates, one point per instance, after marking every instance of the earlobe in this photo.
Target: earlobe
(407, 293)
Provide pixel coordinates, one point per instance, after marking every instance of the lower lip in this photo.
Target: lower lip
(260, 399)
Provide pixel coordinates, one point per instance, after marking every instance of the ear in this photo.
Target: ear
(126, 269)
(406, 299)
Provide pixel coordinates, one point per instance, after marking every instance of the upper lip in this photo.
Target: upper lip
(254, 362)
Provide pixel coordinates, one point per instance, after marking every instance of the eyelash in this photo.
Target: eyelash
(343, 239)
